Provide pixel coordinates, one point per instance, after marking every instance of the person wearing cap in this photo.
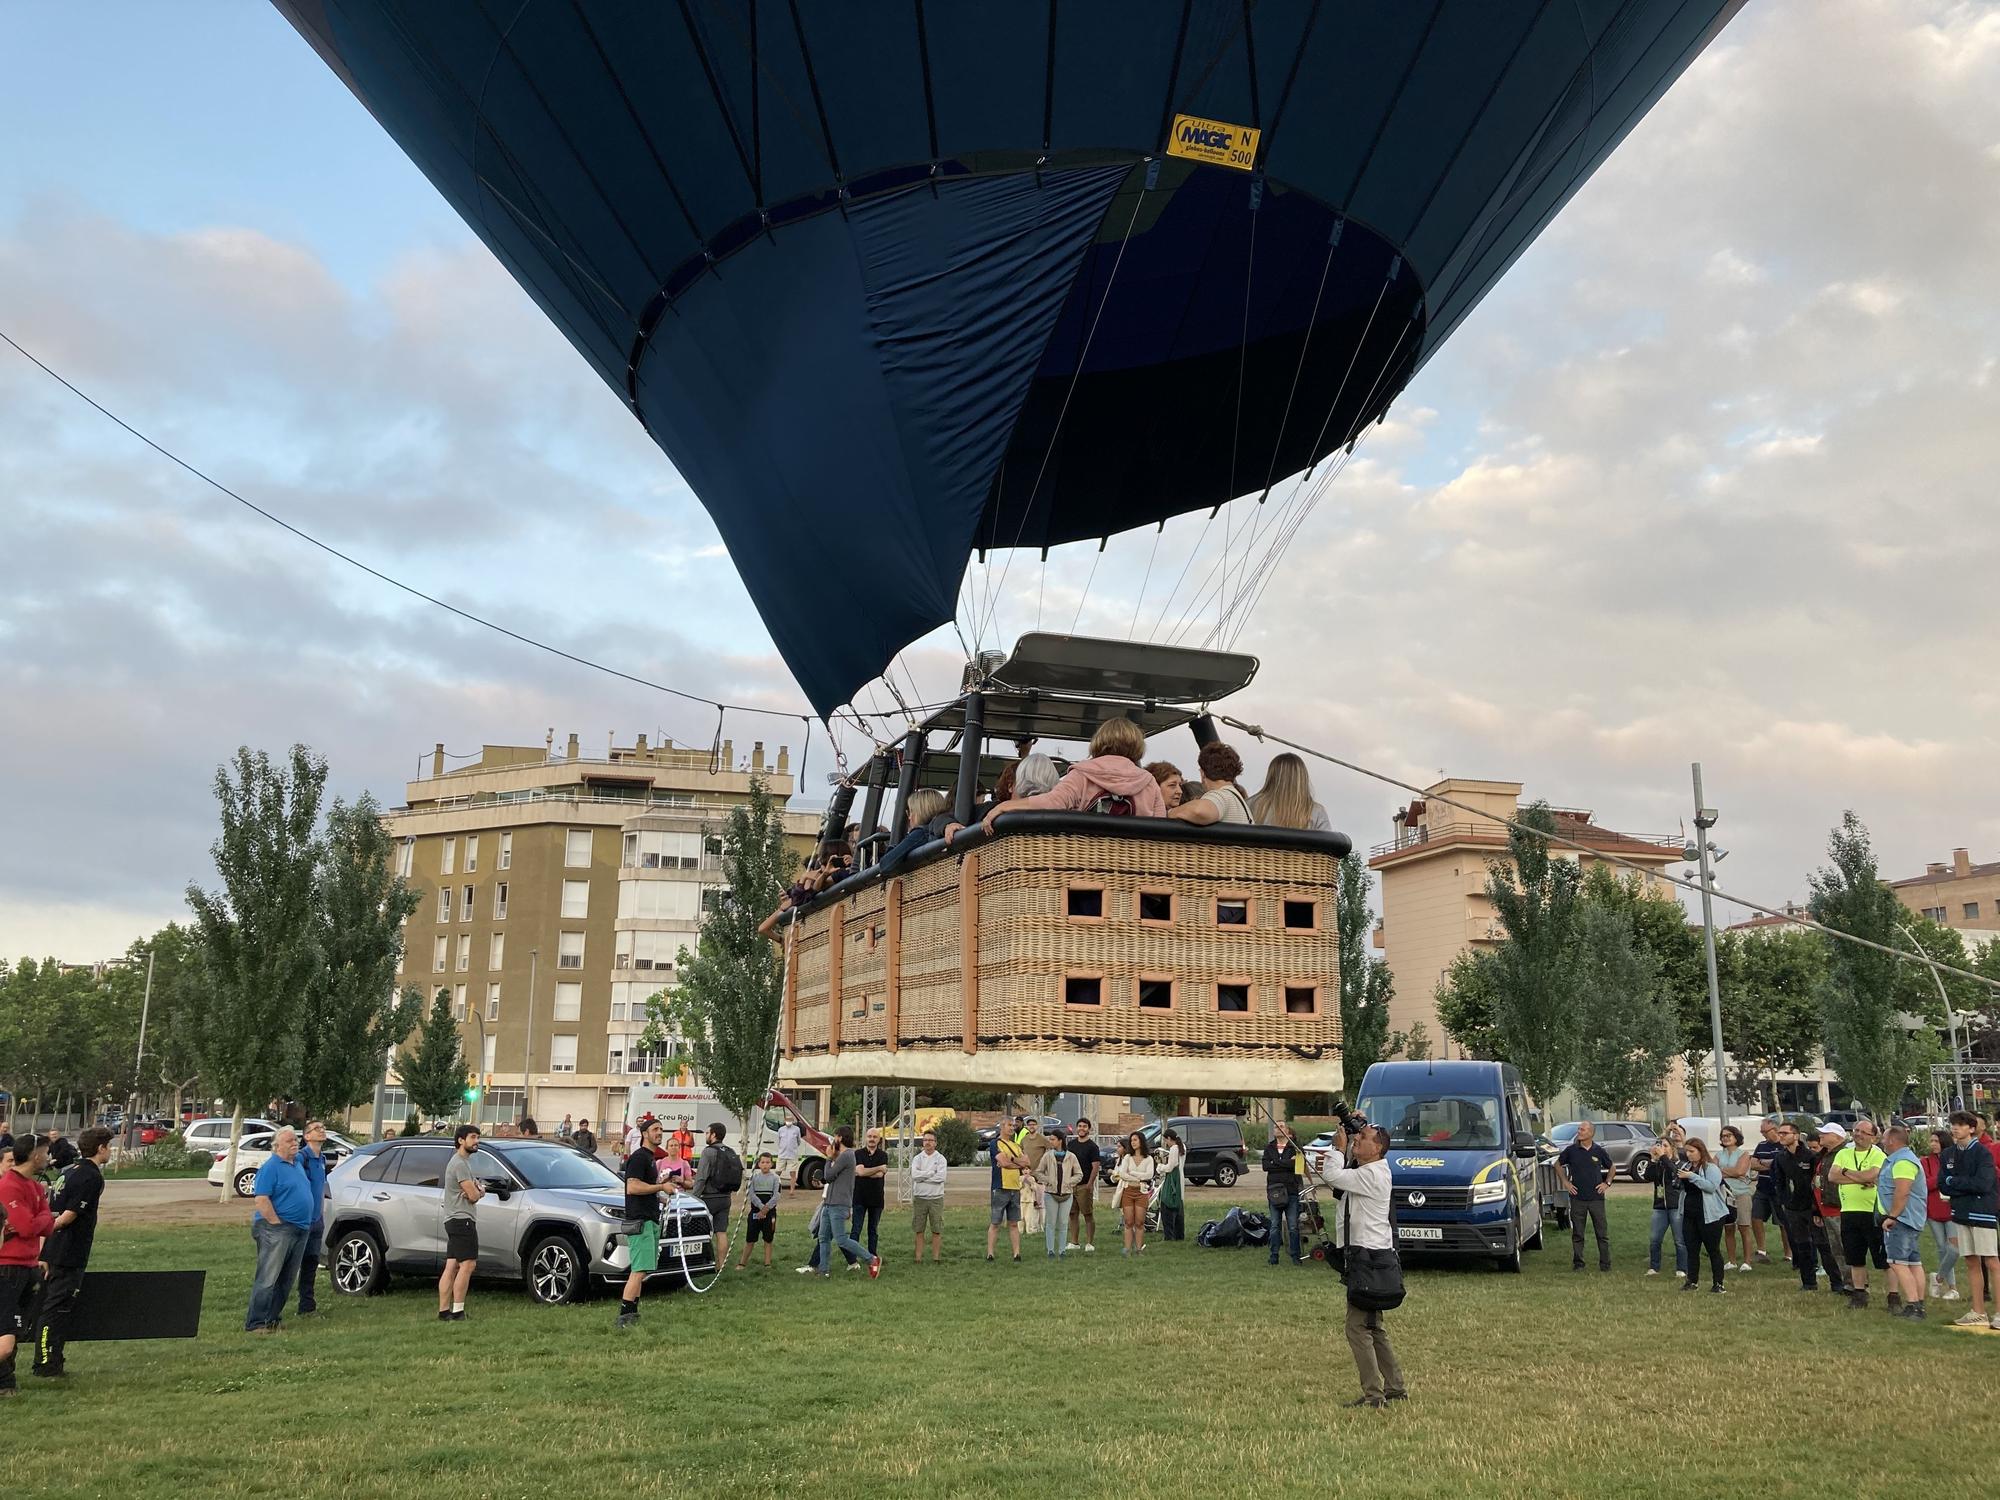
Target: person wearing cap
(1899, 1200)
(1828, 1139)
(1855, 1167)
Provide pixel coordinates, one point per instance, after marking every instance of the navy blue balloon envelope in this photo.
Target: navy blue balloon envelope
(892, 283)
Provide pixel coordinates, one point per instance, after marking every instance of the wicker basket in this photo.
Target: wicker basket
(1065, 960)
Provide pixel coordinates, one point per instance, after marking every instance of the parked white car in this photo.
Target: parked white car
(255, 1150)
(211, 1132)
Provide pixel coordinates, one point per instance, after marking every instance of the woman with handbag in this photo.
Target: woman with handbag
(1134, 1175)
(1704, 1206)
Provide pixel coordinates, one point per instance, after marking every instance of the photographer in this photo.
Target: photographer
(1283, 1163)
(1373, 1275)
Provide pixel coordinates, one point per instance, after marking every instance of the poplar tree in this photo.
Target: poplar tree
(1366, 986)
(434, 1069)
(1538, 1007)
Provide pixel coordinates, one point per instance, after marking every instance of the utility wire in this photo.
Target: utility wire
(1258, 732)
(377, 573)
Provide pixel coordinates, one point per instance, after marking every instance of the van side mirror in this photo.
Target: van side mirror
(1524, 1143)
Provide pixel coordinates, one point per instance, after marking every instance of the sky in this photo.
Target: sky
(1710, 476)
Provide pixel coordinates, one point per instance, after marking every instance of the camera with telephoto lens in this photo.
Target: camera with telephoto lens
(1350, 1122)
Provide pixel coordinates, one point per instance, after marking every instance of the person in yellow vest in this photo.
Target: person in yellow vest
(1855, 1168)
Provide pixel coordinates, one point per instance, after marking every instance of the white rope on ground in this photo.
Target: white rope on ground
(1258, 732)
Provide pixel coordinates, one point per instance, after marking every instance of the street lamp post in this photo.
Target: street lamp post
(1950, 1015)
(139, 1061)
(1705, 819)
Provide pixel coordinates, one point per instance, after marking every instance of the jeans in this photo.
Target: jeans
(1285, 1218)
(1945, 1233)
(1805, 1257)
(1374, 1360)
(1055, 1222)
(280, 1247)
(872, 1217)
(309, 1268)
(59, 1293)
(1702, 1235)
(1826, 1240)
(1592, 1209)
(831, 1234)
(1664, 1219)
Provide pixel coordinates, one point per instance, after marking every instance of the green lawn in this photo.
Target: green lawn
(1189, 1372)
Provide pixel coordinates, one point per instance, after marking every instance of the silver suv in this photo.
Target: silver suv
(1626, 1142)
(551, 1218)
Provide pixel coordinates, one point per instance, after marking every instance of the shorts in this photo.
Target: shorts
(928, 1214)
(461, 1240)
(763, 1228)
(1978, 1241)
(1901, 1242)
(1763, 1206)
(1006, 1206)
(718, 1213)
(1739, 1210)
(1859, 1235)
(645, 1246)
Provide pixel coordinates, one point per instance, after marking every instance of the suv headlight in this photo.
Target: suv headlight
(1490, 1192)
(604, 1211)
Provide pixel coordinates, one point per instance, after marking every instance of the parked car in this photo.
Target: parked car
(552, 1218)
(153, 1131)
(254, 1150)
(1214, 1145)
(1626, 1142)
(210, 1133)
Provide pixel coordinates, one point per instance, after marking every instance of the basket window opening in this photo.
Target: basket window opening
(1083, 989)
(1232, 999)
(1301, 914)
(1156, 993)
(1301, 1000)
(1086, 902)
(1232, 911)
(1156, 906)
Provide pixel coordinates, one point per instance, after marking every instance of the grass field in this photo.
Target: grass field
(1187, 1372)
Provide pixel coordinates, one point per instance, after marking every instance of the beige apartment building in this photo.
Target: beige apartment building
(556, 888)
(1960, 894)
(1433, 874)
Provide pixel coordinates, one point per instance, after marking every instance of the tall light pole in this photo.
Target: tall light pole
(1704, 819)
(1950, 1015)
(139, 1061)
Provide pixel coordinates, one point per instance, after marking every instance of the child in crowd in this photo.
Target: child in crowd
(762, 1189)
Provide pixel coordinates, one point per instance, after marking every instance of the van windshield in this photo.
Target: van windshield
(1439, 1119)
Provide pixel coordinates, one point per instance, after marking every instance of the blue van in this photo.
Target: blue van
(1462, 1152)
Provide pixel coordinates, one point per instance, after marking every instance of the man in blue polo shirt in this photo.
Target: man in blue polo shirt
(285, 1211)
(312, 1161)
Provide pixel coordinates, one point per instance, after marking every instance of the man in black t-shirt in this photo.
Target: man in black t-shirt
(642, 1219)
(1583, 1167)
(66, 1252)
(1083, 1207)
(871, 1172)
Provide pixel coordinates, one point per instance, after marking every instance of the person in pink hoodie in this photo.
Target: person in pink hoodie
(1111, 771)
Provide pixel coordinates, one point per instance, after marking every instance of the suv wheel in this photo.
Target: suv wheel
(1225, 1173)
(1640, 1167)
(555, 1270)
(358, 1266)
(246, 1179)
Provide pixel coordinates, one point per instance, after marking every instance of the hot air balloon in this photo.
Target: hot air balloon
(893, 284)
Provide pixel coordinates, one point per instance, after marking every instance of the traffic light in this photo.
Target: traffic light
(471, 1092)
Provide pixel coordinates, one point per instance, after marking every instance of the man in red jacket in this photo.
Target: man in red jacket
(24, 1206)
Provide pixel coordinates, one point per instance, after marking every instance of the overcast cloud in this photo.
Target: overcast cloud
(1711, 476)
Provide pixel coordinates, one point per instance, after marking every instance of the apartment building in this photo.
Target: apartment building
(1960, 894)
(556, 889)
(1433, 874)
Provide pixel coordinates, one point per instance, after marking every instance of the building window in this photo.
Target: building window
(1935, 913)
(1156, 992)
(496, 951)
(506, 851)
(1301, 1000)
(472, 854)
(648, 952)
(500, 902)
(576, 899)
(657, 849)
(444, 903)
(486, 1053)
(1156, 906)
(439, 952)
(1301, 915)
(465, 905)
(1083, 989)
(458, 1002)
(659, 900)
(1232, 997)
(395, 1109)
(562, 1053)
(576, 849)
(464, 951)
(1971, 911)
(450, 864)
(406, 858)
(569, 951)
(569, 1002)
(1084, 903)
(1232, 911)
(493, 1001)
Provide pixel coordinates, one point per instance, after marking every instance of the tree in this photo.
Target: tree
(1661, 930)
(1537, 1001)
(434, 1071)
(1465, 1003)
(349, 1018)
(1414, 1044)
(1633, 1031)
(178, 972)
(728, 992)
(1771, 1008)
(259, 933)
(1867, 994)
(1366, 986)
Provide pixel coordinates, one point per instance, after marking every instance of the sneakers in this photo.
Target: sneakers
(1370, 1401)
(875, 1268)
(1720, 1291)
(1914, 1311)
(854, 1265)
(1395, 1395)
(1654, 1272)
(805, 1270)
(1932, 1285)
(1969, 1320)
(1069, 1247)
(1682, 1275)
(1949, 1294)
(1994, 1321)
(1762, 1259)
(1087, 1249)
(628, 1315)
(1744, 1267)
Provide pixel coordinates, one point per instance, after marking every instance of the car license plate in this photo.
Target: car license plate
(1410, 1232)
